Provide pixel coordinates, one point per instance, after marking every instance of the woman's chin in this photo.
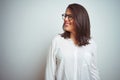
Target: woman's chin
(67, 30)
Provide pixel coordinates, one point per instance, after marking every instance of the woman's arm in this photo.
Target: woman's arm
(51, 62)
(94, 73)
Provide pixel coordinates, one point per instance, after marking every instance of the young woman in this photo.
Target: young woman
(72, 53)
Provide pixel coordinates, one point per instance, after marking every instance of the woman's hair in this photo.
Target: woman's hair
(82, 24)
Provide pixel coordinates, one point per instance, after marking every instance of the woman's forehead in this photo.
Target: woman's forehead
(68, 11)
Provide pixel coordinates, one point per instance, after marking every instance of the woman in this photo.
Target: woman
(72, 53)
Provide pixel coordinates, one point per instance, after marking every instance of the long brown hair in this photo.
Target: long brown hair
(82, 24)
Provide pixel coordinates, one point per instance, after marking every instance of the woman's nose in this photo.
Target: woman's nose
(66, 18)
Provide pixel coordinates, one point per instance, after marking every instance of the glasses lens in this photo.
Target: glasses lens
(70, 17)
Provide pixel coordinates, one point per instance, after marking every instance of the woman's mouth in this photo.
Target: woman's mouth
(67, 24)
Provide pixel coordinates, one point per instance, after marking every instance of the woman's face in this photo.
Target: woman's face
(68, 21)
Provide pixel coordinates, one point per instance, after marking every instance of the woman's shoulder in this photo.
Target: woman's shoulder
(92, 43)
(57, 38)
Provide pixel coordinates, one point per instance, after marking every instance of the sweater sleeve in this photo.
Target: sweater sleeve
(51, 62)
(94, 73)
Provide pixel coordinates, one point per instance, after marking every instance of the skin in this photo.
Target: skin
(70, 26)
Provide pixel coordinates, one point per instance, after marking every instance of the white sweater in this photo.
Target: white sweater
(66, 61)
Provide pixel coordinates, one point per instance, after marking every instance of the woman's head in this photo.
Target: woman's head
(68, 21)
(76, 20)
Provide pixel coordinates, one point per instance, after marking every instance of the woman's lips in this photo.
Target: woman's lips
(67, 24)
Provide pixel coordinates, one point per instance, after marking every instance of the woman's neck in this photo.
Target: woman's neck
(72, 36)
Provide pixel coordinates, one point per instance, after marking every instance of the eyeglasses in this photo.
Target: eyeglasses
(70, 17)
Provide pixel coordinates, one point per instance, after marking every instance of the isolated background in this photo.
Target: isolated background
(28, 26)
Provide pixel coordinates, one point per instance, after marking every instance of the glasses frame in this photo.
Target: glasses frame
(69, 16)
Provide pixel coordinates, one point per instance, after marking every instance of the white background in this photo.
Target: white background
(28, 26)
